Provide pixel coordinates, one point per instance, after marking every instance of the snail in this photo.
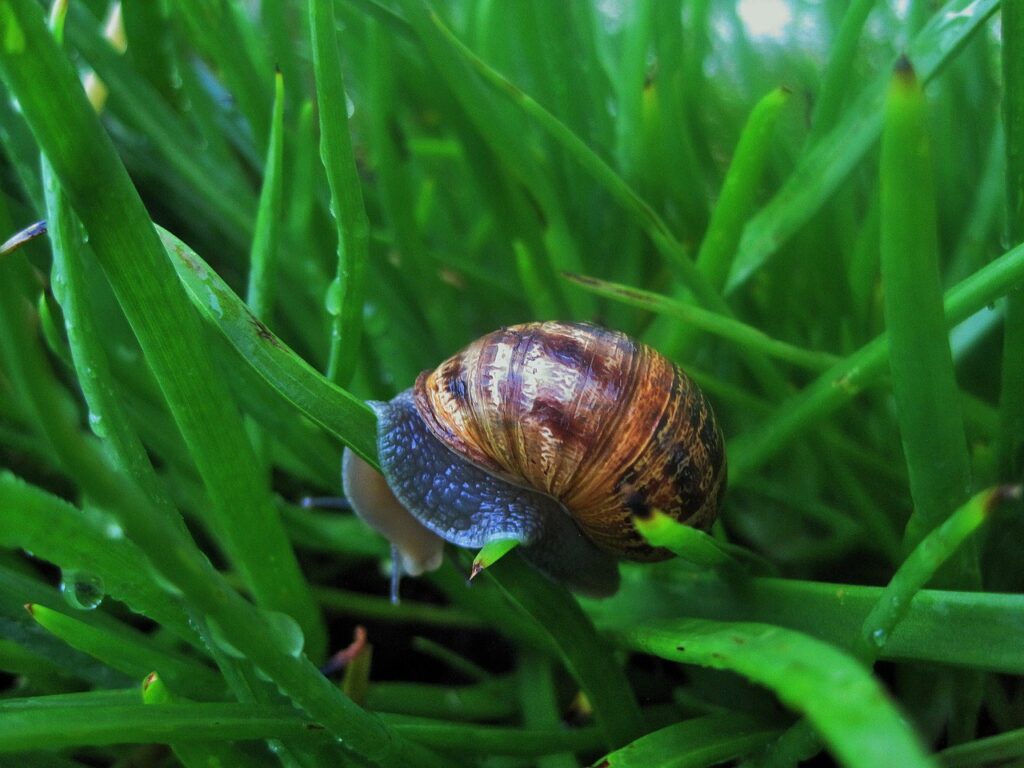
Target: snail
(550, 434)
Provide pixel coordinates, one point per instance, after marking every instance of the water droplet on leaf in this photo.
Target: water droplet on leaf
(81, 590)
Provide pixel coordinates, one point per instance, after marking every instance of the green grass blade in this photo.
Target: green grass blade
(844, 702)
(353, 230)
(217, 29)
(969, 629)
(348, 418)
(265, 244)
(1010, 441)
(694, 743)
(128, 651)
(162, 318)
(991, 750)
(28, 724)
(921, 564)
(824, 166)
(848, 378)
(743, 335)
(927, 399)
(586, 655)
(71, 538)
(839, 70)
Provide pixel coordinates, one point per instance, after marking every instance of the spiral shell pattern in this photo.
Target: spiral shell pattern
(602, 423)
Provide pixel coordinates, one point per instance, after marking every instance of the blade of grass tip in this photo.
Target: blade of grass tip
(585, 654)
(345, 295)
(266, 239)
(921, 564)
(692, 316)
(838, 71)
(799, 743)
(695, 546)
(923, 382)
(735, 203)
(155, 303)
(825, 165)
(62, 534)
(695, 743)
(1010, 440)
(125, 649)
(347, 417)
(200, 754)
(858, 370)
(845, 703)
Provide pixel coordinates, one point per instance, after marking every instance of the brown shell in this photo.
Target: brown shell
(604, 424)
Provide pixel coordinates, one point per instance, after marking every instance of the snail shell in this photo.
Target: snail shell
(554, 434)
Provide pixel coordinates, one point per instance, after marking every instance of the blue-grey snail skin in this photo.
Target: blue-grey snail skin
(551, 434)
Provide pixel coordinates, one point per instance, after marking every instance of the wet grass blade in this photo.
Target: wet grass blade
(923, 382)
(166, 325)
(128, 651)
(336, 410)
(345, 297)
(920, 566)
(847, 706)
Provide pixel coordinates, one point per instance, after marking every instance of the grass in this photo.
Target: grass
(825, 230)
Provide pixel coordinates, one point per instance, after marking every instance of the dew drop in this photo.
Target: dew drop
(287, 632)
(81, 590)
(97, 425)
(334, 297)
(879, 637)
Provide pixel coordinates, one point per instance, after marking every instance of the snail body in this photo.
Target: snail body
(550, 434)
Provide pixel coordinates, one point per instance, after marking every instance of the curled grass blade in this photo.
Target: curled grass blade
(844, 702)
(265, 243)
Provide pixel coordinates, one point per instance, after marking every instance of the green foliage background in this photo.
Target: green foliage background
(824, 232)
